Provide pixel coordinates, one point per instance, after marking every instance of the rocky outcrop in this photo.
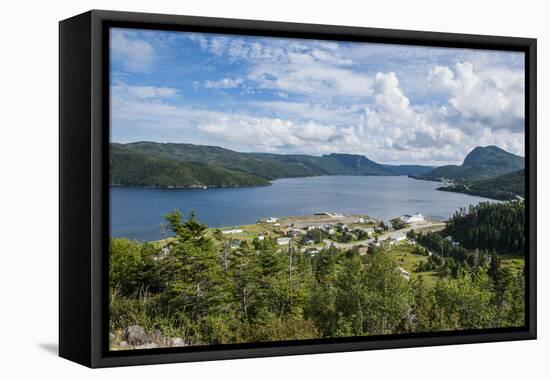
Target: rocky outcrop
(136, 337)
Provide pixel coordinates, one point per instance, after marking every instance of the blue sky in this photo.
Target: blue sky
(394, 104)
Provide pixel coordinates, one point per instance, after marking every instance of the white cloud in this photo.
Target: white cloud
(224, 83)
(292, 66)
(308, 77)
(122, 90)
(134, 55)
(303, 111)
(494, 96)
(270, 134)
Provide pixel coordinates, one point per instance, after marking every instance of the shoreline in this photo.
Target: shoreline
(446, 186)
(302, 222)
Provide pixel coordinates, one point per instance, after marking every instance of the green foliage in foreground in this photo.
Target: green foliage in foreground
(201, 290)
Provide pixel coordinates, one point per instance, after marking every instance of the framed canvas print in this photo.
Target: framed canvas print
(233, 188)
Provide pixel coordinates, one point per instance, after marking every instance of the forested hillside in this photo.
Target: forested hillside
(506, 187)
(132, 168)
(497, 226)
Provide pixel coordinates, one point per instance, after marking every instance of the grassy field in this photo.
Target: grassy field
(514, 263)
(405, 257)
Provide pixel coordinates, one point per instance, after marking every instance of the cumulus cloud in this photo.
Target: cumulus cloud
(493, 96)
(271, 134)
(134, 54)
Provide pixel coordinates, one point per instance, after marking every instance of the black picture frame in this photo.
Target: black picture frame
(84, 195)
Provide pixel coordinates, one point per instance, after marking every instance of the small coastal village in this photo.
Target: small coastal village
(312, 233)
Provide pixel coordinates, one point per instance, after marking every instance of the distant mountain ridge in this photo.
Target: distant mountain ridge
(409, 169)
(481, 163)
(189, 166)
(140, 164)
(132, 168)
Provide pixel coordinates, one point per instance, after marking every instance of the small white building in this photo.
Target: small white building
(261, 237)
(165, 251)
(232, 231)
(312, 251)
(399, 237)
(406, 275)
(418, 217)
(271, 220)
(411, 242)
(283, 241)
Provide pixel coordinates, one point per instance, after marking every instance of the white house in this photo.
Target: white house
(312, 251)
(271, 220)
(411, 242)
(232, 231)
(399, 237)
(261, 237)
(418, 217)
(283, 241)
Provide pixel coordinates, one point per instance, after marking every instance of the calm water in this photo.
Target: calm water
(137, 213)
